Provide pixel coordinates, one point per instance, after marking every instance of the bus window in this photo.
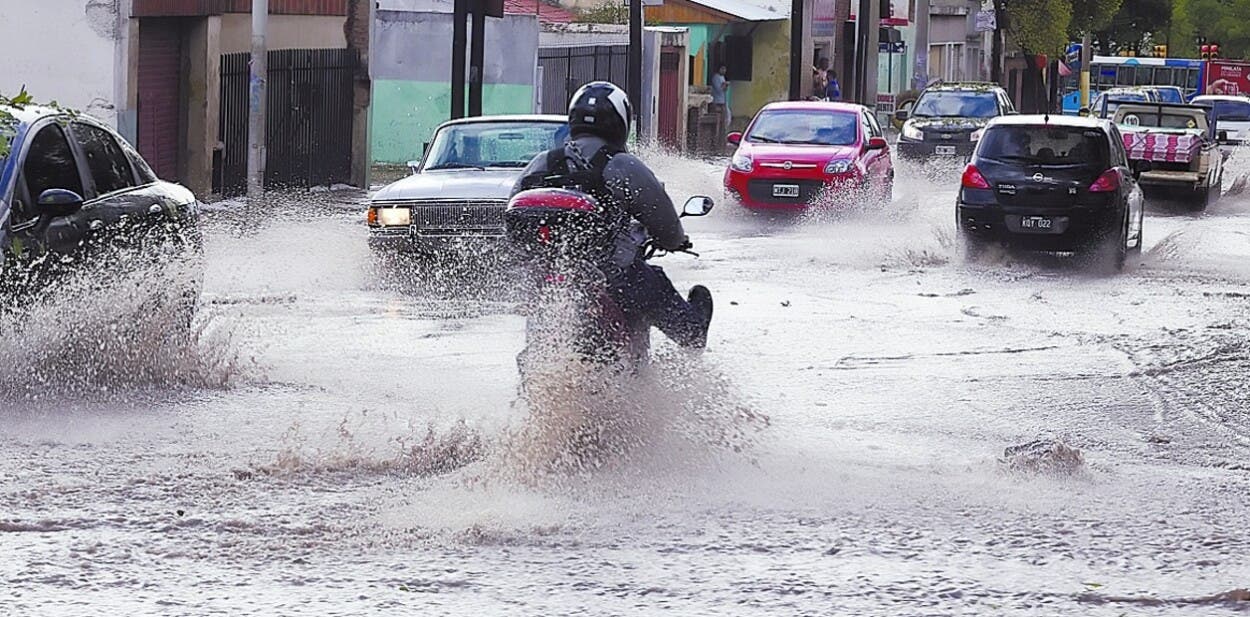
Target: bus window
(1145, 76)
(1193, 80)
(1163, 76)
(1103, 76)
(1124, 75)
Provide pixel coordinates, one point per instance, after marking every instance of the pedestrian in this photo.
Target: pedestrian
(720, 94)
(833, 90)
(820, 78)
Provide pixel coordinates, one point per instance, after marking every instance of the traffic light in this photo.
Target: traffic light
(1160, 51)
(1215, 51)
(1209, 51)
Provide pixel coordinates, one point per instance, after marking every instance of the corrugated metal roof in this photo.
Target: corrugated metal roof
(546, 12)
(750, 10)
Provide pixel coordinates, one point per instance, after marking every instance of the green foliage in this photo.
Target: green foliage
(1136, 21)
(1216, 21)
(1092, 15)
(609, 12)
(8, 123)
(1039, 26)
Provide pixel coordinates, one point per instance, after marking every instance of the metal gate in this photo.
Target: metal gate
(159, 85)
(565, 69)
(670, 93)
(309, 134)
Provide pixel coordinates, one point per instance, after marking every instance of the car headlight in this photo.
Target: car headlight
(390, 217)
(839, 166)
(911, 132)
(742, 162)
(976, 135)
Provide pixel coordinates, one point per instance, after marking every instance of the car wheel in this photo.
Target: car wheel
(1202, 198)
(1109, 253)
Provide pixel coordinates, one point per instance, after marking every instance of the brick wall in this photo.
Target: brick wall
(191, 8)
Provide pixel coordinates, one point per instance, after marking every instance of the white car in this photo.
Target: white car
(1231, 114)
(458, 192)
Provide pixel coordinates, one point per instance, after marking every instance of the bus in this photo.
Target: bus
(1106, 72)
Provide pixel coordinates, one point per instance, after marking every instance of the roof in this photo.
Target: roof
(1240, 98)
(547, 13)
(967, 86)
(27, 114)
(514, 118)
(749, 10)
(814, 106)
(1052, 120)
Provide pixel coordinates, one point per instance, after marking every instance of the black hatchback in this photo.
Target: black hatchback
(1052, 183)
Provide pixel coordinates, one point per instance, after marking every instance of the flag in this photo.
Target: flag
(1064, 71)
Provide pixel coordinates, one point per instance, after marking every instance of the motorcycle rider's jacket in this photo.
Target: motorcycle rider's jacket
(623, 186)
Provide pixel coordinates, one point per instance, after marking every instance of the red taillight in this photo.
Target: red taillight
(973, 179)
(1107, 182)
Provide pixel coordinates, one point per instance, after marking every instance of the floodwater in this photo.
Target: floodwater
(343, 439)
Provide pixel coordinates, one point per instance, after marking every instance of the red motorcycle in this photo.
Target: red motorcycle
(563, 238)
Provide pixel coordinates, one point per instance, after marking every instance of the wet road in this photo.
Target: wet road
(334, 445)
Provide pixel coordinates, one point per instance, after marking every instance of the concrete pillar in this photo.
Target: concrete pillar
(201, 103)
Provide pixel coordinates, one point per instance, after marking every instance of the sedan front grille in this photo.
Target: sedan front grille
(479, 217)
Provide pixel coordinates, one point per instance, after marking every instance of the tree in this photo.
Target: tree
(1038, 26)
(1088, 16)
(1215, 21)
(1131, 25)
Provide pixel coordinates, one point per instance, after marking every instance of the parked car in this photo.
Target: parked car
(1173, 152)
(70, 185)
(1105, 103)
(794, 155)
(947, 118)
(1052, 183)
(1231, 116)
(458, 192)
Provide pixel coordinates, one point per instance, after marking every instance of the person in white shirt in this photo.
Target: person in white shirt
(720, 93)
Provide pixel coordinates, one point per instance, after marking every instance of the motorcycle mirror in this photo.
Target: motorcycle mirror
(698, 205)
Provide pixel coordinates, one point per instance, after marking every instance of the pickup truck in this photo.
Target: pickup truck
(1173, 151)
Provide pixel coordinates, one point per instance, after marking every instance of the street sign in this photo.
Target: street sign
(892, 48)
(987, 21)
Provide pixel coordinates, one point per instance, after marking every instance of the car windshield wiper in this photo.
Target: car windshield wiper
(508, 164)
(763, 140)
(455, 166)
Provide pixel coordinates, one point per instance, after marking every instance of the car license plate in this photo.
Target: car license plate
(786, 190)
(1037, 223)
(944, 150)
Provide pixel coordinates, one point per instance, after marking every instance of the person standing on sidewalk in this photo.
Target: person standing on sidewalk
(720, 94)
(820, 78)
(833, 91)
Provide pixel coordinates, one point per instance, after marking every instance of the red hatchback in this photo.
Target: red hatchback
(794, 155)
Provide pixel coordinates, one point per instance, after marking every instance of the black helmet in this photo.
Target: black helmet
(600, 108)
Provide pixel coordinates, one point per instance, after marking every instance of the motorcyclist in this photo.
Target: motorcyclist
(595, 160)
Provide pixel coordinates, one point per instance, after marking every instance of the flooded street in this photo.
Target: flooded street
(334, 443)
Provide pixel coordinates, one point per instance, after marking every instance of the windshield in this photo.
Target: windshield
(800, 126)
(1165, 120)
(956, 104)
(1237, 111)
(493, 144)
(1112, 101)
(1169, 95)
(1056, 146)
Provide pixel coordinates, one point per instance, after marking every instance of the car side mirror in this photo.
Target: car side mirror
(734, 138)
(55, 203)
(902, 115)
(413, 166)
(1083, 112)
(877, 143)
(698, 205)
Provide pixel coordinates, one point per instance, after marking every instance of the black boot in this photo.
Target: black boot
(701, 299)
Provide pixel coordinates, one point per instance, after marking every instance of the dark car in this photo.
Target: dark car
(70, 185)
(1052, 183)
(946, 120)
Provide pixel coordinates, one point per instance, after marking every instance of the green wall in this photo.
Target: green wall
(405, 113)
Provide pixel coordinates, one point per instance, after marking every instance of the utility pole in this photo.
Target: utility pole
(459, 36)
(1086, 58)
(635, 60)
(796, 50)
(477, 54)
(867, 29)
(920, 60)
(256, 101)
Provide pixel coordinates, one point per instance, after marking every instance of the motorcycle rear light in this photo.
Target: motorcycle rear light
(1106, 183)
(973, 179)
